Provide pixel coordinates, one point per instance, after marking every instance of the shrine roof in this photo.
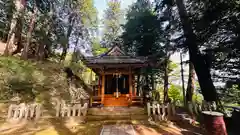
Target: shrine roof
(115, 56)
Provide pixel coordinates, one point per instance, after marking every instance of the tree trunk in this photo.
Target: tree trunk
(20, 6)
(29, 34)
(9, 16)
(18, 37)
(138, 83)
(69, 31)
(43, 47)
(147, 83)
(183, 82)
(41, 52)
(75, 51)
(190, 87)
(165, 89)
(47, 51)
(152, 81)
(64, 53)
(202, 70)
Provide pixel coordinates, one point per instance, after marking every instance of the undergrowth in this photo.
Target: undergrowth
(31, 80)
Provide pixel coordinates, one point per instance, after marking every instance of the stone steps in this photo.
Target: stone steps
(117, 113)
(116, 117)
(112, 101)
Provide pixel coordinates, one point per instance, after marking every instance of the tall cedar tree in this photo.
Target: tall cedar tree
(200, 64)
(112, 23)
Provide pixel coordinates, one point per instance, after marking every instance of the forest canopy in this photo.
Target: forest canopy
(208, 31)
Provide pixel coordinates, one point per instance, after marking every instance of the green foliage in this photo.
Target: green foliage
(197, 98)
(56, 22)
(29, 80)
(96, 48)
(143, 33)
(89, 13)
(60, 24)
(171, 67)
(174, 92)
(232, 95)
(112, 21)
(156, 95)
(7, 9)
(215, 24)
(143, 36)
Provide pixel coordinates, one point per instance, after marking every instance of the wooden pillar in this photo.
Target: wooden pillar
(117, 86)
(134, 86)
(99, 85)
(130, 85)
(103, 88)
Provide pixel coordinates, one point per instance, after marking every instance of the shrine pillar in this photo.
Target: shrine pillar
(130, 85)
(103, 88)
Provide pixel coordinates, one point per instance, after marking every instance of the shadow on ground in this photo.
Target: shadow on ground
(50, 125)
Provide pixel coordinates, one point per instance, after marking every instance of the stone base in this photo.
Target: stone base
(117, 111)
(119, 129)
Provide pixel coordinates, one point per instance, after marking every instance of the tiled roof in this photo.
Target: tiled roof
(115, 60)
(115, 56)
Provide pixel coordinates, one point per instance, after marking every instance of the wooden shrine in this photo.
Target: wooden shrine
(116, 77)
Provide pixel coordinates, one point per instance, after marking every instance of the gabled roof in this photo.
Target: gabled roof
(115, 56)
(114, 51)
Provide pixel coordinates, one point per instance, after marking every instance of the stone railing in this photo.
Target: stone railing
(160, 111)
(71, 110)
(196, 108)
(24, 111)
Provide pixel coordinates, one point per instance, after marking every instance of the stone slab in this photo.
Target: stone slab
(122, 129)
(116, 111)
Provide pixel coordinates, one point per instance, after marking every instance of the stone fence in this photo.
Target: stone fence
(71, 110)
(160, 111)
(196, 108)
(24, 111)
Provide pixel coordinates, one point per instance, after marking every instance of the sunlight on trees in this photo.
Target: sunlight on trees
(65, 32)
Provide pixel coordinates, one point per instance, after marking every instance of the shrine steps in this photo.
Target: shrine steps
(113, 117)
(117, 113)
(113, 101)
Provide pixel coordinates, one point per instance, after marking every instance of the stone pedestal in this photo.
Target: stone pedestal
(214, 123)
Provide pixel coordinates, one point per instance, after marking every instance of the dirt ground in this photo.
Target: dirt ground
(58, 127)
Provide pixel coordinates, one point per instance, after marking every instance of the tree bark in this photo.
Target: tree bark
(138, 83)
(29, 34)
(75, 51)
(202, 70)
(18, 37)
(69, 31)
(165, 89)
(20, 6)
(190, 87)
(152, 81)
(43, 47)
(183, 82)
(64, 53)
(9, 16)
(40, 52)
